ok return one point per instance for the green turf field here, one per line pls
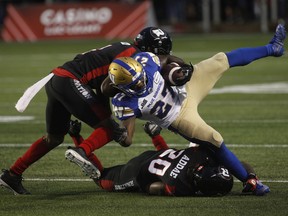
(254, 126)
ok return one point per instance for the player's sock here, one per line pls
(77, 140)
(244, 56)
(98, 138)
(231, 162)
(37, 150)
(94, 159)
(159, 143)
(105, 184)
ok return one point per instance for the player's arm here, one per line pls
(156, 188)
(161, 189)
(167, 59)
(153, 131)
(108, 88)
(129, 124)
(174, 70)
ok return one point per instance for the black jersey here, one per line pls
(91, 67)
(76, 88)
(168, 166)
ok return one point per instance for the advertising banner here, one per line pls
(75, 21)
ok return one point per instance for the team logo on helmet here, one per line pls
(155, 40)
(128, 75)
(212, 180)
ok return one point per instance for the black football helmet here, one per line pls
(212, 180)
(155, 40)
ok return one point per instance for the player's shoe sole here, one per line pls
(87, 167)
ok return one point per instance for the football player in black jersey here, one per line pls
(74, 89)
(186, 172)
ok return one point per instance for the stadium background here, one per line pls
(253, 123)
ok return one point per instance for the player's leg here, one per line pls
(132, 176)
(57, 121)
(191, 126)
(109, 176)
(95, 111)
(205, 75)
(74, 132)
(244, 56)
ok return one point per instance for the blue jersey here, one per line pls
(161, 103)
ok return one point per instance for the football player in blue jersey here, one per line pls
(145, 95)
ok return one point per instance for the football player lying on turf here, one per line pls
(186, 172)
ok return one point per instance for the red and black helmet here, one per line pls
(155, 40)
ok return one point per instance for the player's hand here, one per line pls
(152, 129)
(119, 133)
(187, 71)
(75, 128)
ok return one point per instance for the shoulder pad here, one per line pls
(122, 113)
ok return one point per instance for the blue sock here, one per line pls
(244, 56)
(231, 162)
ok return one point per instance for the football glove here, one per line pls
(152, 129)
(119, 133)
(74, 128)
(187, 70)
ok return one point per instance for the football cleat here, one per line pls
(13, 183)
(78, 156)
(276, 45)
(255, 186)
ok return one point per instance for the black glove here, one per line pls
(119, 133)
(74, 128)
(187, 71)
(152, 129)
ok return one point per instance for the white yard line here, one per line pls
(143, 145)
(263, 88)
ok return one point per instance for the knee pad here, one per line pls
(202, 132)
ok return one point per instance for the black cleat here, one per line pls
(12, 182)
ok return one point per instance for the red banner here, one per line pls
(74, 21)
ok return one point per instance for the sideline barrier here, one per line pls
(75, 21)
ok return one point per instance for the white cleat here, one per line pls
(78, 156)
